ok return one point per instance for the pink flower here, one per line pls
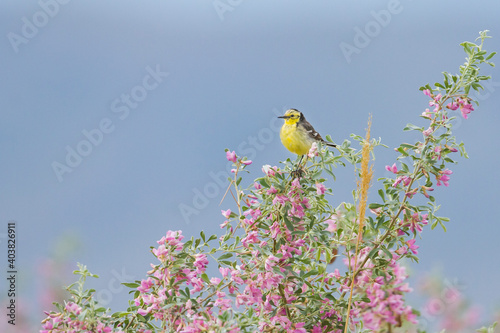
(393, 168)
(415, 223)
(426, 114)
(452, 106)
(257, 186)
(215, 281)
(101, 328)
(320, 189)
(268, 170)
(313, 151)
(143, 312)
(271, 262)
(275, 230)
(145, 285)
(428, 131)
(427, 92)
(246, 162)
(254, 213)
(299, 328)
(231, 156)
(252, 237)
(411, 245)
(405, 179)
(443, 177)
(172, 238)
(376, 211)
(226, 213)
(466, 108)
(224, 271)
(161, 252)
(200, 261)
(438, 150)
(73, 308)
(425, 189)
(402, 250)
(438, 97)
(332, 224)
(272, 190)
(317, 329)
(222, 303)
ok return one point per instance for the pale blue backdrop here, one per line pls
(149, 93)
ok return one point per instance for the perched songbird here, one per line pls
(297, 135)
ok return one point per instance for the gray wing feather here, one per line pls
(313, 134)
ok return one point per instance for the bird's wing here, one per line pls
(313, 134)
(311, 131)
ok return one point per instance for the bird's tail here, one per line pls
(330, 144)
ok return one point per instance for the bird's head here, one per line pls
(292, 116)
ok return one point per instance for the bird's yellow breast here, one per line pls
(294, 139)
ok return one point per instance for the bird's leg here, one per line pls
(300, 161)
(298, 172)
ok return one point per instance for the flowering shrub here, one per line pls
(277, 257)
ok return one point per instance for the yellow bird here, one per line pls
(297, 134)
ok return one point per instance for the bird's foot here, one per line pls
(298, 173)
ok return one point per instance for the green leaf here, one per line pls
(434, 224)
(264, 182)
(202, 235)
(404, 167)
(289, 224)
(330, 173)
(446, 83)
(442, 225)
(375, 205)
(407, 145)
(386, 251)
(309, 273)
(132, 285)
(411, 127)
(373, 253)
(476, 86)
(402, 151)
(467, 48)
(225, 256)
(490, 329)
(381, 193)
(490, 55)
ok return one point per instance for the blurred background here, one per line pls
(114, 117)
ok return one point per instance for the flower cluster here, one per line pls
(277, 268)
(73, 318)
(384, 293)
(162, 294)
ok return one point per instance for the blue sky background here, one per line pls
(229, 74)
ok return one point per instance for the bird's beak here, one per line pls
(284, 117)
